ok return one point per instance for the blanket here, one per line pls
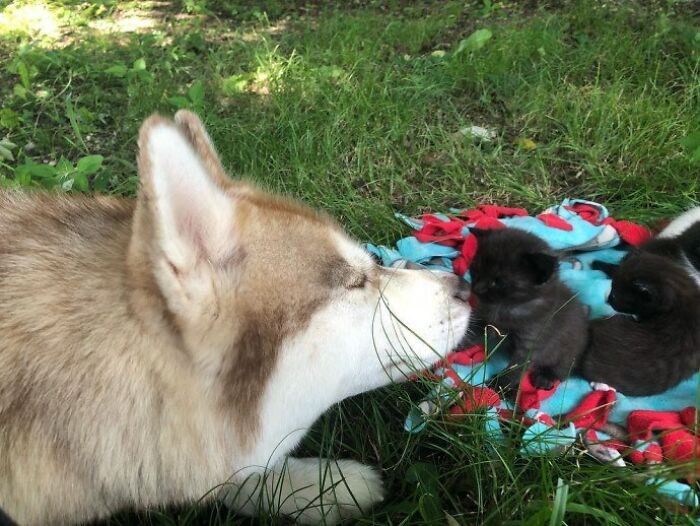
(657, 429)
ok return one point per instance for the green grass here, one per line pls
(357, 107)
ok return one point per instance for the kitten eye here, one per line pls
(495, 283)
(643, 289)
(359, 282)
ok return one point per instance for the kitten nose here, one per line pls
(462, 290)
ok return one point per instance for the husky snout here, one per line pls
(461, 288)
(424, 315)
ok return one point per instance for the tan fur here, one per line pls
(112, 393)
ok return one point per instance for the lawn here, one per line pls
(363, 108)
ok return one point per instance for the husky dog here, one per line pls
(154, 349)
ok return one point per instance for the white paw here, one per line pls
(333, 491)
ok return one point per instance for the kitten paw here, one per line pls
(507, 385)
(543, 378)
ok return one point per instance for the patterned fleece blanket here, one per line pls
(650, 429)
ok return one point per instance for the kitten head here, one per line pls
(510, 265)
(647, 284)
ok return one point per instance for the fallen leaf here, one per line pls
(526, 144)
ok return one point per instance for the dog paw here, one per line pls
(309, 490)
(336, 490)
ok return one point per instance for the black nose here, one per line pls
(462, 290)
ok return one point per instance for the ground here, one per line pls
(363, 108)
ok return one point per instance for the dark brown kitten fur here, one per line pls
(514, 276)
(659, 345)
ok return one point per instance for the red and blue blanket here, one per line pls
(647, 430)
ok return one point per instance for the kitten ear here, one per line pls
(480, 233)
(542, 265)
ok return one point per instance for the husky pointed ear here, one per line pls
(182, 196)
(193, 129)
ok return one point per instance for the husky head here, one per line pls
(268, 301)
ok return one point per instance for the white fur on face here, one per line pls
(354, 254)
(415, 318)
(681, 223)
(419, 320)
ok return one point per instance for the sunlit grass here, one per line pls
(36, 20)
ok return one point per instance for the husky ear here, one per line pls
(542, 265)
(193, 129)
(182, 195)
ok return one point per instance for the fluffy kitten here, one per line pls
(659, 345)
(514, 277)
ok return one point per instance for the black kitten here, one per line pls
(514, 277)
(659, 345)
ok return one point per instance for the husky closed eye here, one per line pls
(358, 282)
